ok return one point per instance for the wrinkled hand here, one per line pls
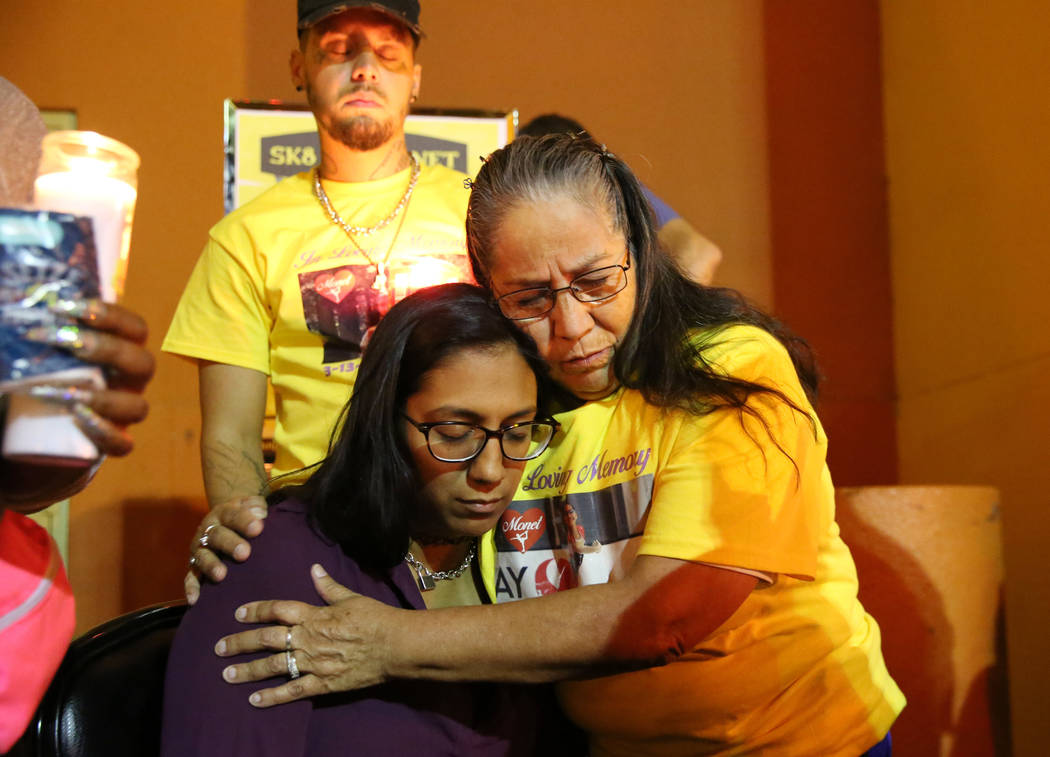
(337, 648)
(224, 526)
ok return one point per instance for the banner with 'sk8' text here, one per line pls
(265, 142)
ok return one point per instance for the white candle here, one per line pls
(110, 202)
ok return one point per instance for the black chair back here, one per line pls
(105, 699)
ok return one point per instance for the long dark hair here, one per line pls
(365, 492)
(658, 355)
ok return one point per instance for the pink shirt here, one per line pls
(36, 620)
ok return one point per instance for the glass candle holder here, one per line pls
(85, 173)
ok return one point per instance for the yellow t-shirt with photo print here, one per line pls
(282, 290)
(798, 669)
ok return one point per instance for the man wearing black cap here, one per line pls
(289, 284)
(360, 121)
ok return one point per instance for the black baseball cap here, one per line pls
(402, 11)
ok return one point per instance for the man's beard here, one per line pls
(361, 133)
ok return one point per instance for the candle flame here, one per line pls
(430, 272)
(87, 165)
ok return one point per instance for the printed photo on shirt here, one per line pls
(560, 542)
(341, 305)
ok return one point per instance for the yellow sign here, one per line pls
(266, 142)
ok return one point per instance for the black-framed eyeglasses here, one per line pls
(458, 442)
(590, 286)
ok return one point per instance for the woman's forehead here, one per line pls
(536, 237)
(461, 382)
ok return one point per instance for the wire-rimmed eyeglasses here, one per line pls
(459, 442)
(590, 286)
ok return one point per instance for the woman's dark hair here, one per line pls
(365, 492)
(658, 354)
(553, 123)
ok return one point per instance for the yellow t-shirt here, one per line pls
(798, 669)
(282, 290)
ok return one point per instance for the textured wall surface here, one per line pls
(967, 116)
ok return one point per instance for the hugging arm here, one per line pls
(660, 610)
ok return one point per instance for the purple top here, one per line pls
(204, 715)
(661, 209)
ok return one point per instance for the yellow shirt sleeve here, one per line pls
(739, 490)
(223, 315)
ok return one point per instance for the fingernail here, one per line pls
(230, 674)
(255, 699)
(240, 552)
(317, 571)
(241, 613)
(66, 395)
(220, 648)
(90, 422)
(83, 310)
(67, 336)
(191, 598)
(258, 512)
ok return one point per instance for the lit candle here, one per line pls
(412, 275)
(85, 173)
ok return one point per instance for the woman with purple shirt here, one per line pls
(426, 460)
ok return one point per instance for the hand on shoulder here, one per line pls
(223, 532)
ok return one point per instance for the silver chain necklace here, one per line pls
(380, 282)
(322, 197)
(428, 578)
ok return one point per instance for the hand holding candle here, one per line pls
(114, 337)
(93, 177)
(110, 336)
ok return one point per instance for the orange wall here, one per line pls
(967, 119)
(675, 87)
(828, 220)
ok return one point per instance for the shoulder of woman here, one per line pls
(290, 515)
(745, 352)
(282, 554)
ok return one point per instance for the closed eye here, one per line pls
(452, 433)
(591, 280)
(519, 434)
